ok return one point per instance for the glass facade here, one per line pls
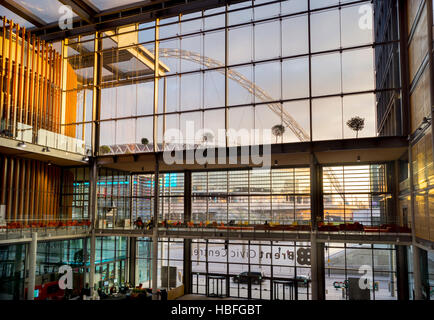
(12, 271)
(216, 78)
(218, 66)
(375, 265)
(170, 263)
(357, 194)
(252, 196)
(279, 269)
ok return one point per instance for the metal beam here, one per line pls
(265, 235)
(145, 12)
(82, 9)
(23, 13)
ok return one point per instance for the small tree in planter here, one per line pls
(357, 124)
(278, 130)
(104, 149)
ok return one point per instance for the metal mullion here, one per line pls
(226, 29)
(271, 196)
(248, 197)
(310, 68)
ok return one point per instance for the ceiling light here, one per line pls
(358, 158)
(86, 158)
(22, 144)
(45, 149)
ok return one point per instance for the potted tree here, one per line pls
(278, 130)
(104, 149)
(357, 124)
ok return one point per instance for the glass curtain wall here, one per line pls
(348, 264)
(357, 194)
(252, 196)
(123, 198)
(12, 271)
(75, 194)
(114, 199)
(170, 262)
(252, 65)
(278, 270)
(111, 262)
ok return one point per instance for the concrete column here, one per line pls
(317, 249)
(417, 278)
(402, 272)
(187, 266)
(132, 261)
(314, 266)
(32, 266)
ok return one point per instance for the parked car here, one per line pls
(303, 280)
(255, 277)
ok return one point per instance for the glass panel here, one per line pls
(47, 10)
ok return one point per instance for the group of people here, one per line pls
(141, 225)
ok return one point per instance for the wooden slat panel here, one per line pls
(37, 189)
(3, 179)
(14, 97)
(8, 79)
(21, 77)
(26, 83)
(36, 105)
(50, 90)
(9, 189)
(32, 75)
(32, 192)
(3, 67)
(44, 85)
(22, 195)
(27, 189)
(41, 86)
(50, 179)
(15, 189)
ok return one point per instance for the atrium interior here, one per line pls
(263, 149)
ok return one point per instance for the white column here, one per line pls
(32, 266)
(314, 266)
